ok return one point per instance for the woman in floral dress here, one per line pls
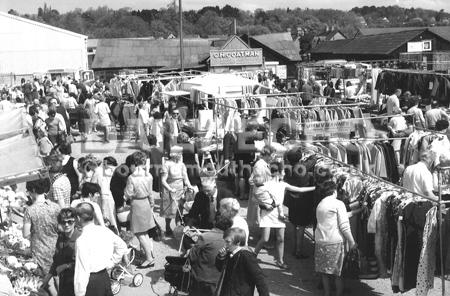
(40, 224)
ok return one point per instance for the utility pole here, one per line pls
(181, 37)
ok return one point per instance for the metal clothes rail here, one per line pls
(438, 202)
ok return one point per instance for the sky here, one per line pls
(31, 6)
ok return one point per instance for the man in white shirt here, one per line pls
(418, 177)
(434, 114)
(393, 103)
(97, 249)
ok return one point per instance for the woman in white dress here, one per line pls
(103, 111)
(270, 197)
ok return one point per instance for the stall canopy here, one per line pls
(19, 152)
(12, 123)
(220, 84)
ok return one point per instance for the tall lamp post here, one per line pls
(181, 37)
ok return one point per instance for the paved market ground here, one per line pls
(298, 280)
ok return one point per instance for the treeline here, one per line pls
(104, 22)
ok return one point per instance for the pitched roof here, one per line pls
(443, 32)
(145, 53)
(377, 31)
(42, 25)
(329, 46)
(370, 44)
(330, 34)
(281, 43)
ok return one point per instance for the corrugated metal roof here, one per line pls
(281, 43)
(144, 53)
(370, 44)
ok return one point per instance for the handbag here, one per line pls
(351, 267)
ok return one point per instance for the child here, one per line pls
(44, 143)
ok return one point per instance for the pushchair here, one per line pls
(177, 273)
(177, 270)
(120, 272)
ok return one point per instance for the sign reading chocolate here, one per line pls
(236, 57)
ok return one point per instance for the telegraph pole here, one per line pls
(181, 37)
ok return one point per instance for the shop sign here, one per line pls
(236, 57)
(281, 71)
(419, 46)
(332, 129)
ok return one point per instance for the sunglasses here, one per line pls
(68, 222)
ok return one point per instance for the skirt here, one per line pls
(329, 259)
(141, 216)
(169, 201)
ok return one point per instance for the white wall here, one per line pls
(27, 48)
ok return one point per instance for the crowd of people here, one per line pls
(73, 220)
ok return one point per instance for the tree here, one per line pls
(210, 23)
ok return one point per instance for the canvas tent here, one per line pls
(220, 84)
(19, 152)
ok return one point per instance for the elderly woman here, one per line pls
(40, 224)
(332, 231)
(139, 191)
(173, 179)
(64, 258)
(229, 207)
(240, 269)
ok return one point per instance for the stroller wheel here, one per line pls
(138, 279)
(116, 272)
(115, 287)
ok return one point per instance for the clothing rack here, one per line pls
(438, 202)
(337, 140)
(415, 72)
(358, 118)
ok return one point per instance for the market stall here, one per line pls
(20, 163)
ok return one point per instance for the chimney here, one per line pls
(327, 28)
(288, 30)
(332, 28)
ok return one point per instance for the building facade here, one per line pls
(28, 47)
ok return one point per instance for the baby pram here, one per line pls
(177, 270)
(177, 273)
